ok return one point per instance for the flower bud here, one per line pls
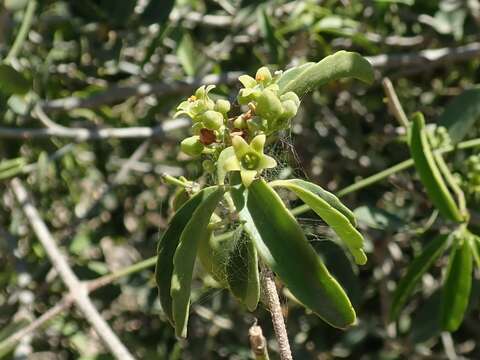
(263, 75)
(289, 109)
(268, 105)
(247, 95)
(239, 123)
(192, 146)
(222, 106)
(211, 119)
(290, 96)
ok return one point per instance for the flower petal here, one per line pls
(231, 164)
(258, 143)
(247, 176)
(240, 146)
(267, 162)
(247, 81)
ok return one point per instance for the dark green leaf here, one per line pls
(168, 244)
(417, 268)
(157, 11)
(377, 218)
(283, 247)
(429, 173)
(458, 283)
(461, 114)
(332, 211)
(342, 64)
(194, 232)
(12, 81)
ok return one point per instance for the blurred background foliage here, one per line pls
(114, 64)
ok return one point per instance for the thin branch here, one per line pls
(85, 134)
(119, 93)
(67, 301)
(23, 32)
(430, 57)
(13, 339)
(270, 290)
(394, 103)
(77, 289)
(403, 165)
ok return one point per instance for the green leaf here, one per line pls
(157, 12)
(461, 114)
(342, 64)
(168, 244)
(242, 272)
(184, 258)
(377, 218)
(458, 283)
(188, 55)
(272, 39)
(12, 81)
(415, 271)
(283, 247)
(213, 253)
(11, 167)
(332, 211)
(341, 268)
(429, 173)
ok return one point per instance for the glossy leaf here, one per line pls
(283, 247)
(168, 244)
(342, 64)
(12, 81)
(184, 259)
(332, 211)
(429, 173)
(242, 272)
(461, 114)
(417, 268)
(458, 282)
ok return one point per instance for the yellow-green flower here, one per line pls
(249, 159)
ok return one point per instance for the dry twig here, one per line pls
(78, 290)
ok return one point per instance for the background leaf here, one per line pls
(461, 114)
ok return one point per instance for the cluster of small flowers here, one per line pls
(270, 111)
(471, 178)
(439, 137)
(209, 120)
(215, 133)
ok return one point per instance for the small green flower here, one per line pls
(249, 159)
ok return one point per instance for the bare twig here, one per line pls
(13, 339)
(394, 103)
(120, 93)
(77, 290)
(449, 346)
(431, 57)
(67, 301)
(258, 344)
(84, 134)
(270, 290)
